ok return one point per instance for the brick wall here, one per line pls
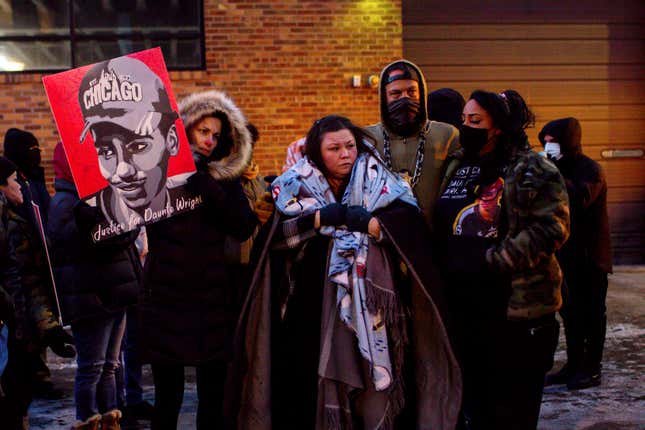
(284, 62)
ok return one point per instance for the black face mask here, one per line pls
(472, 139)
(33, 158)
(399, 113)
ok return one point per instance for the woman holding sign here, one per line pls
(188, 306)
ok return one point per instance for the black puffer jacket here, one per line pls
(92, 279)
(188, 308)
(590, 241)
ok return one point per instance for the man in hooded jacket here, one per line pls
(410, 143)
(585, 258)
(21, 147)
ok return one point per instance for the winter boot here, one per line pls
(560, 377)
(110, 420)
(585, 379)
(92, 423)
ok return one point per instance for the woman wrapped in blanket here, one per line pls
(340, 329)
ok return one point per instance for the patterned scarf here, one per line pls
(302, 190)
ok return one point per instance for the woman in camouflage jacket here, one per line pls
(501, 215)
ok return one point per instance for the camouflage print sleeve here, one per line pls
(34, 280)
(540, 205)
(8, 264)
(10, 292)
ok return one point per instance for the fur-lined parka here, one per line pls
(199, 105)
(188, 307)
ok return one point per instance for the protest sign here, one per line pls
(124, 140)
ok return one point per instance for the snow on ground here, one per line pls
(618, 404)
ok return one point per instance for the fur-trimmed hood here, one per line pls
(198, 105)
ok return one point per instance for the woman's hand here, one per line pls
(358, 219)
(374, 228)
(333, 214)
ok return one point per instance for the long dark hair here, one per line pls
(328, 124)
(511, 116)
(225, 141)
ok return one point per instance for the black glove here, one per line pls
(60, 342)
(358, 218)
(87, 217)
(202, 183)
(333, 214)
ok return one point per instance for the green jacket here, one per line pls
(441, 140)
(35, 283)
(10, 291)
(537, 208)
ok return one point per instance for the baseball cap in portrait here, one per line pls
(123, 91)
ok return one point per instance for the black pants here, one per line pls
(17, 384)
(503, 365)
(169, 395)
(584, 314)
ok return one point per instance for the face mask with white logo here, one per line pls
(552, 150)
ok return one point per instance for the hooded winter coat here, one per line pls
(19, 148)
(440, 140)
(188, 307)
(587, 189)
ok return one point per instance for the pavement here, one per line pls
(617, 404)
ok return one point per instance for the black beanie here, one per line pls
(7, 168)
(446, 105)
(16, 146)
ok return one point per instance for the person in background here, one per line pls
(34, 325)
(188, 307)
(411, 144)
(254, 186)
(446, 105)
(238, 253)
(295, 151)
(9, 281)
(98, 282)
(130, 371)
(136, 408)
(22, 148)
(9, 287)
(585, 258)
(501, 215)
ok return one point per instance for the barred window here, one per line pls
(50, 35)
